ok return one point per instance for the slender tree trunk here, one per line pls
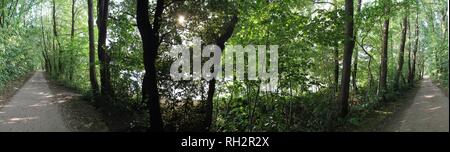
(106, 91)
(355, 56)
(209, 105)
(409, 54)
(54, 58)
(349, 43)
(384, 55)
(55, 38)
(416, 48)
(444, 22)
(369, 69)
(55, 31)
(92, 71)
(414, 55)
(72, 29)
(150, 43)
(59, 65)
(336, 71)
(355, 70)
(72, 36)
(401, 53)
(212, 83)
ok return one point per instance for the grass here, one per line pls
(379, 118)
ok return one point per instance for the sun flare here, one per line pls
(181, 19)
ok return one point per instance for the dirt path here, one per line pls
(36, 107)
(428, 112)
(32, 109)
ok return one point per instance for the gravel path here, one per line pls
(428, 112)
(32, 109)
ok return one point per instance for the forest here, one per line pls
(339, 61)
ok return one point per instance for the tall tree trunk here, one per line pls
(413, 56)
(106, 91)
(348, 51)
(401, 53)
(55, 32)
(409, 54)
(53, 58)
(220, 41)
(336, 70)
(72, 29)
(59, 64)
(92, 71)
(55, 38)
(384, 54)
(416, 47)
(150, 43)
(355, 70)
(355, 56)
(72, 36)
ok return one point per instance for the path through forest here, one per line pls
(427, 112)
(36, 108)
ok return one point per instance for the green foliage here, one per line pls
(17, 54)
(308, 34)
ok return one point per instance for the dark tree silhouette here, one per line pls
(150, 43)
(92, 71)
(349, 43)
(106, 91)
